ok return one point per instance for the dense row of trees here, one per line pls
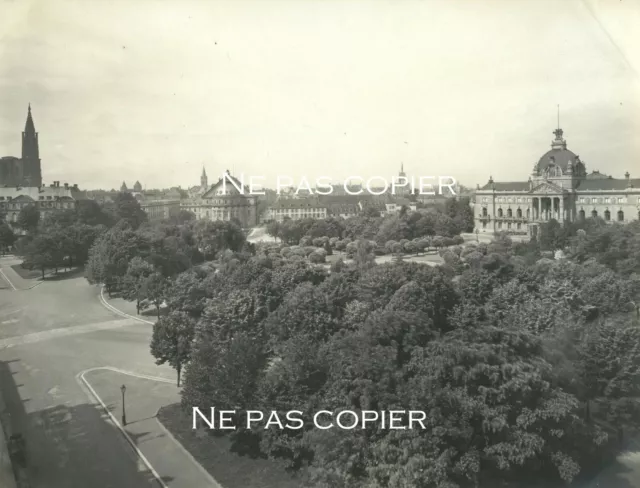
(528, 367)
(453, 218)
(59, 238)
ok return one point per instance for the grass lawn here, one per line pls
(214, 454)
(27, 274)
(32, 274)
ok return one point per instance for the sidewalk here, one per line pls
(7, 475)
(143, 398)
(128, 308)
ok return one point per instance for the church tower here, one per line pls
(31, 169)
(204, 186)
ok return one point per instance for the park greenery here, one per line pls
(525, 356)
(528, 366)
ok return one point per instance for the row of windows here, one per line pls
(518, 225)
(18, 206)
(41, 197)
(509, 200)
(594, 213)
(607, 215)
(580, 200)
(602, 200)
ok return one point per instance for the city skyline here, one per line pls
(112, 102)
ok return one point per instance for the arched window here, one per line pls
(594, 214)
(620, 215)
(607, 215)
(484, 211)
(581, 214)
(499, 212)
(528, 212)
(509, 213)
(519, 213)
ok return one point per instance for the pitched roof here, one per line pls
(608, 184)
(22, 198)
(507, 186)
(597, 175)
(229, 186)
(343, 199)
(298, 203)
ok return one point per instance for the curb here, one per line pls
(80, 376)
(206, 473)
(8, 280)
(113, 309)
(39, 281)
(142, 457)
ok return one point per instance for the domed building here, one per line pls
(559, 188)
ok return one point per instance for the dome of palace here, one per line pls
(558, 156)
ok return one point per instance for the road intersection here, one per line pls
(63, 357)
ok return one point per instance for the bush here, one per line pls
(318, 257)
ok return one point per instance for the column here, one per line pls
(562, 217)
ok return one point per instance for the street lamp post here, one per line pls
(477, 235)
(124, 413)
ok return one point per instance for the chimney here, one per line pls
(66, 186)
(75, 186)
(626, 176)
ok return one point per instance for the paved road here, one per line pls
(48, 336)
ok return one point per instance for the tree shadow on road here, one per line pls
(73, 446)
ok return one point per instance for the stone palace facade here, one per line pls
(559, 188)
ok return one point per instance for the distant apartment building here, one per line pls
(344, 206)
(46, 199)
(158, 210)
(296, 208)
(225, 200)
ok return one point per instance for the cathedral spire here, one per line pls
(29, 126)
(32, 172)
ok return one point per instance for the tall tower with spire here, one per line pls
(31, 169)
(204, 181)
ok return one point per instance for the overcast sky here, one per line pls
(151, 90)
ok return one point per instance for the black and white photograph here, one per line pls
(319, 244)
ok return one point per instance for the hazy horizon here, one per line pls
(152, 91)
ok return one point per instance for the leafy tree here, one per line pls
(7, 237)
(128, 209)
(42, 253)
(154, 289)
(28, 218)
(216, 236)
(171, 340)
(134, 280)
